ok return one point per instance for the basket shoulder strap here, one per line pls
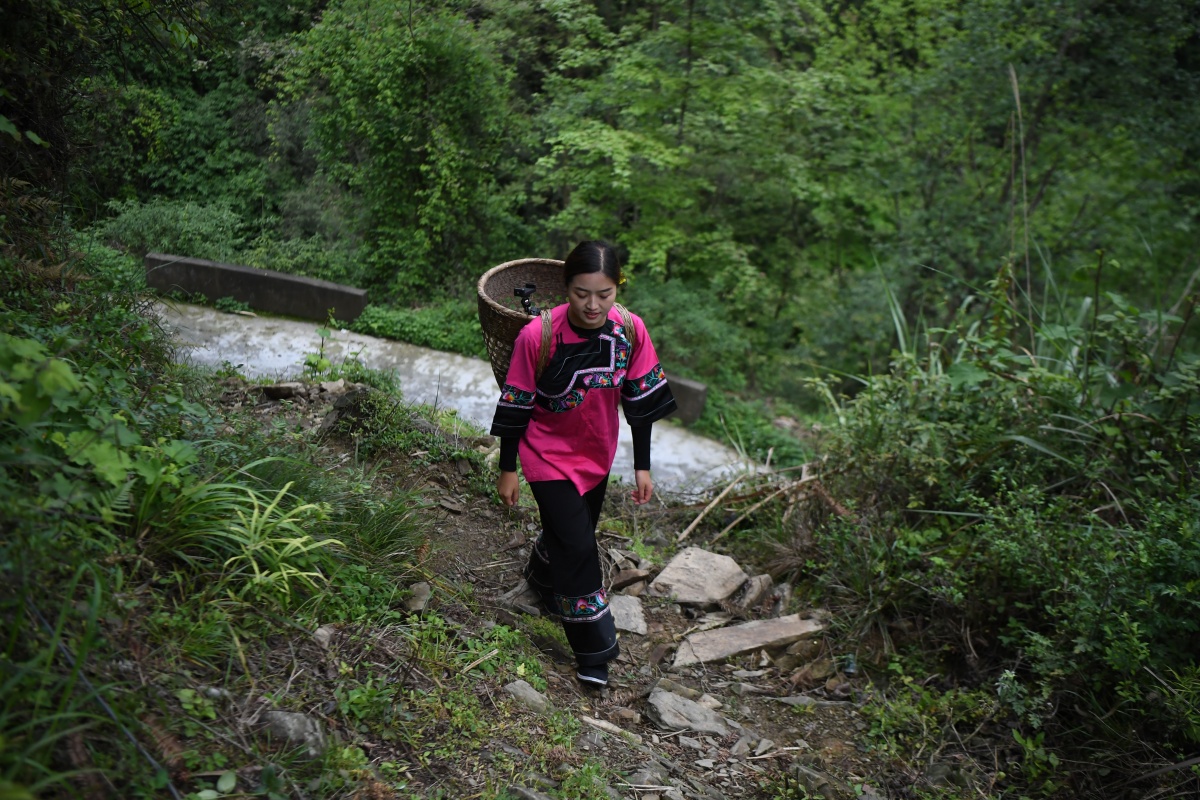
(544, 352)
(630, 331)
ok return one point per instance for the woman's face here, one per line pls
(589, 298)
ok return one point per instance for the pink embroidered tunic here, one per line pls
(567, 420)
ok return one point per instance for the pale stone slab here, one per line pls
(708, 646)
(298, 730)
(529, 697)
(673, 712)
(697, 577)
(627, 613)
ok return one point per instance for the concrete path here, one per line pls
(273, 347)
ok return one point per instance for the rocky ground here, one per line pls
(726, 686)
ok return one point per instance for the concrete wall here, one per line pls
(261, 289)
(689, 398)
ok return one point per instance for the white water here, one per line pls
(275, 348)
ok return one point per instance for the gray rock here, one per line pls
(635, 589)
(705, 763)
(749, 673)
(697, 577)
(523, 598)
(650, 775)
(528, 696)
(298, 730)
(525, 793)
(753, 592)
(628, 577)
(324, 635)
(781, 598)
(627, 613)
(421, 592)
(591, 739)
(333, 386)
(715, 645)
(741, 747)
(763, 746)
(673, 712)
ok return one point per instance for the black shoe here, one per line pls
(596, 675)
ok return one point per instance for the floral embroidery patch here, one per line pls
(512, 396)
(608, 376)
(583, 609)
(567, 402)
(635, 388)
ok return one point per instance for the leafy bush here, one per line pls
(451, 325)
(179, 227)
(1033, 504)
(313, 257)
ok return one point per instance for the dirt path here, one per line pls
(472, 560)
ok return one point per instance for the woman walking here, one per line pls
(561, 420)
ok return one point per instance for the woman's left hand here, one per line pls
(645, 486)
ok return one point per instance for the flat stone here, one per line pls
(298, 730)
(708, 646)
(333, 387)
(673, 712)
(697, 577)
(763, 746)
(627, 613)
(705, 763)
(528, 696)
(708, 701)
(754, 591)
(628, 577)
(421, 592)
(741, 747)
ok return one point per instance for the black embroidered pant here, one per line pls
(564, 568)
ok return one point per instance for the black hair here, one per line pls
(592, 256)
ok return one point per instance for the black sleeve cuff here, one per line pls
(641, 446)
(508, 453)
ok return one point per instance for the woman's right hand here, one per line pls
(508, 487)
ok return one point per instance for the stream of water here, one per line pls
(272, 347)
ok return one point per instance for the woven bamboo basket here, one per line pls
(500, 313)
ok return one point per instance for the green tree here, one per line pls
(409, 113)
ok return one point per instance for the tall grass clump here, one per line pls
(1024, 482)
